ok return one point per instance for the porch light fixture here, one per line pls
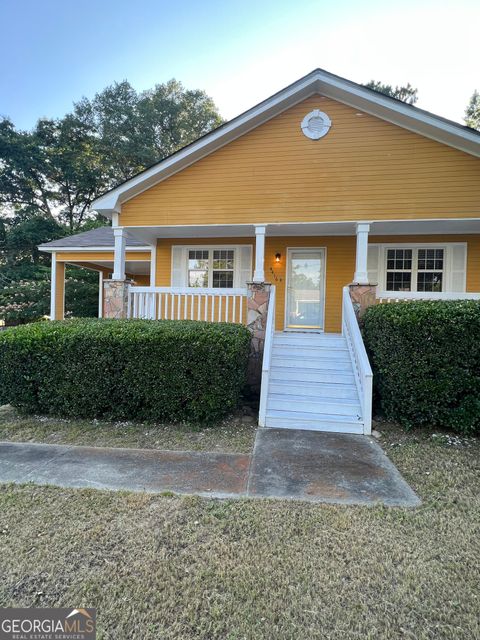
(278, 257)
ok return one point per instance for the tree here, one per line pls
(404, 93)
(61, 166)
(55, 170)
(21, 237)
(50, 175)
(136, 130)
(472, 112)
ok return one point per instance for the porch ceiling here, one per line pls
(148, 235)
(135, 268)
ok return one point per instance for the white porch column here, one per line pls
(100, 294)
(53, 286)
(119, 256)
(361, 272)
(153, 265)
(259, 273)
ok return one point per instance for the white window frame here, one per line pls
(237, 267)
(447, 262)
(210, 267)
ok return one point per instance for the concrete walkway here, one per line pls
(288, 464)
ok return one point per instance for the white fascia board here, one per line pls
(403, 115)
(86, 249)
(318, 82)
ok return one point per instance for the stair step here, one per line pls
(321, 422)
(316, 406)
(331, 340)
(300, 374)
(314, 389)
(316, 352)
(336, 364)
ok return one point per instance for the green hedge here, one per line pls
(426, 362)
(125, 369)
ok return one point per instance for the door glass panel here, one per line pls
(305, 289)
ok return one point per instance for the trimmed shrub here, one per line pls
(426, 362)
(125, 369)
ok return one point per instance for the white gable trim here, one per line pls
(317, 82)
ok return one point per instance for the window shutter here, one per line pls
(243, 271)
(458, 277)
(179, 267)
(372, 263)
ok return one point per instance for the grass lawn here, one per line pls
(163, 567)
(230, 436)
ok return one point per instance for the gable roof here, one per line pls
(100, 238)
(318, 81)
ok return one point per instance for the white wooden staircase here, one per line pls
(312, 384)
(317, 381)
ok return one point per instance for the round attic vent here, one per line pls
(316, 124)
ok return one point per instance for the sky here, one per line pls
(54, 52)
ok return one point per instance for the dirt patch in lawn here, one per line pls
(170, 567)
(234, 435)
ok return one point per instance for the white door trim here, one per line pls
(322, 290)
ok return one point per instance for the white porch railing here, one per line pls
(358, 353)
(397, 296)
(267, 357)
(188, 303)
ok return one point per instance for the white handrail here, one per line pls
(267, 357)
(358, 353)
(188, 303)
(395, 296)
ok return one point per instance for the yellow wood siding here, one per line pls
(364, 168)
(100, 256)
(60, 291)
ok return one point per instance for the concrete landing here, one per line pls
(325, 467)
(285, 463)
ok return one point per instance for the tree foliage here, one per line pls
(405, 93)
(472, 112)
(62, 165)
(49, 177)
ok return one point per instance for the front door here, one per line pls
(305, 289)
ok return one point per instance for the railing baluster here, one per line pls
(172, 303)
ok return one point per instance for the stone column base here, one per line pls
(362, 297)
(257, 309)
(115, 299)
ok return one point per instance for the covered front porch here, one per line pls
(201, 272)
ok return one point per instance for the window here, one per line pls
(211, 268)
(430, 270)
(399, 269)
(222, 268)
(414, 269)
(198, 268)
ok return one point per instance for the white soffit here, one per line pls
(318, 82)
